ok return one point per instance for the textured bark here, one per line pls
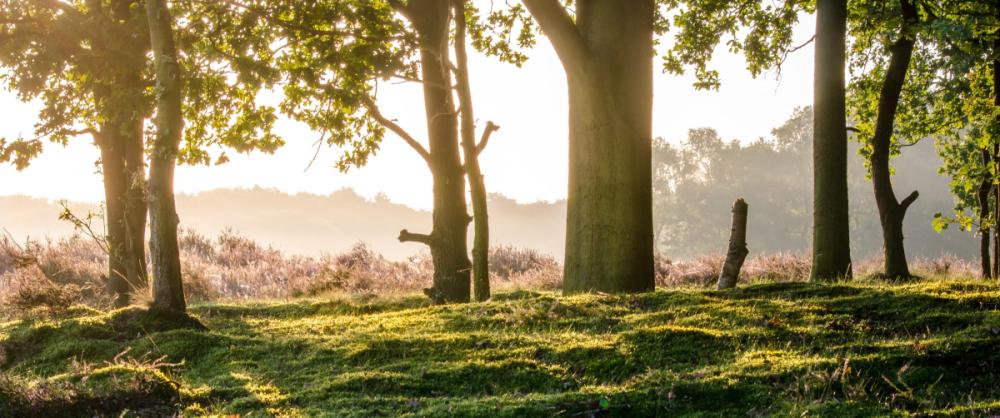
(120, 139)
(607, 54)
(891, 211)
(449, 250)
(737, 247)
(168, 288)
(983, 198)
(831, 255)
(477, 184)
(996, 161)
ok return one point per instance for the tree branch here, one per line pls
(407, 236)
(398, 130)
(559, 28)
(490, 129)
(909, 200)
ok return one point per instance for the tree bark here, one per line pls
(995, 190)
(891, 211)
(996, 162)
(983, 198)
(607, 54)
(168, 288)
(831, 255)
(449, 250)
(120, 139)
(477, 184)
(737, 247)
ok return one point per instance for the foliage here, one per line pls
(78, 58)
(858, 349)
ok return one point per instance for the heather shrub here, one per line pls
(49, 277)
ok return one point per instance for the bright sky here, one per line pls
(526, 159)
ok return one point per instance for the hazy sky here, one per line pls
(525, 160)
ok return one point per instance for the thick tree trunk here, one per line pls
(607, 54)
(983, 198)
(737, 247)
(168, 288)
(891, 211)
(120, 140)
(831, 256)
(477, 185)
(449, 250)
(121, 145)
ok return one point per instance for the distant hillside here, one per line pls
(309, 224)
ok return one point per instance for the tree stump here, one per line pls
(737, 247)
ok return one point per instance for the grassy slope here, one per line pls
(767, 349)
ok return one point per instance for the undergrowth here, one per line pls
(866, 348)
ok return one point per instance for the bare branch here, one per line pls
(909, 200)
(407, 236)
(490, 129)
(373, 110)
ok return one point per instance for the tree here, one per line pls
(87, 62)
(963, 118)
(884, 96)
(471, 150)
(333, 55)
(168, 289)
(831, 254)
(607, 53)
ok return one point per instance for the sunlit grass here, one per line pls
(847, 349)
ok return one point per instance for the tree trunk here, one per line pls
(996, 162)
(449, 250)
(477, 185)
(831, 256)
(121, 143)
(607, 55)
(737, 247)
(120, 140)
(891, 211)
(168, 289)
(995, 190)
(983, 197)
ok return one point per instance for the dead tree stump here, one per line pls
(737, 247)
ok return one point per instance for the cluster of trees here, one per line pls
(696, 180)
(104, 68)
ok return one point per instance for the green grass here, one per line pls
(859, 349)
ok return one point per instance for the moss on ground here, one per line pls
(869, 348)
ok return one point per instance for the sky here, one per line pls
(526, 160)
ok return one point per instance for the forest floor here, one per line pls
(867, 348)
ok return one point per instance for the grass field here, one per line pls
(929, 348)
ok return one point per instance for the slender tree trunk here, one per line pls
(477, 185)
(607, 54)
(996, 162)
(737, 247)
(995, 190)
(449, 250)
(983, 197)
(891, 211)
(831, 256)
(168, 289)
